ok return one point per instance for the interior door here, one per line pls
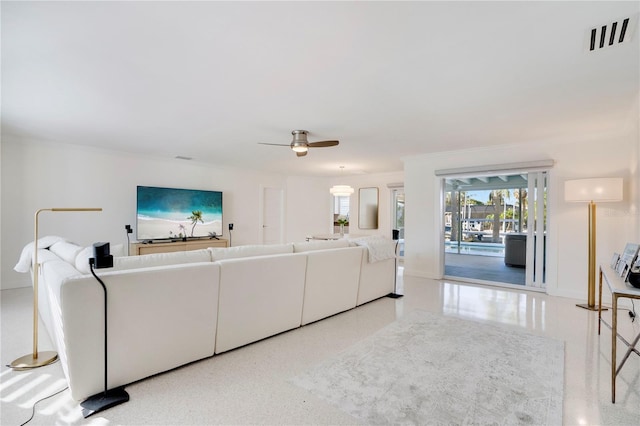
(272, 215)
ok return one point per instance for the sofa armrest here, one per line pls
(377, 279)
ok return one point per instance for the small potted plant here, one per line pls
(342, 221)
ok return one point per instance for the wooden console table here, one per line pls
(619, 289)
(167, 247)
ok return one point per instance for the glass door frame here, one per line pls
(395, 219)
(537, 214)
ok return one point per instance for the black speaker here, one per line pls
(634, 279)
(102, 256)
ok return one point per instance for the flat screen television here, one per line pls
(172, 213)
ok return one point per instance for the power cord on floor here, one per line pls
(33, 409)
(631, 312)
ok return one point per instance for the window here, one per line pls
(341, 206)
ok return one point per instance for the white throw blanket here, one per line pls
(26, 258)
(379, 248)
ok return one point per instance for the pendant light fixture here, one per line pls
(341, 190)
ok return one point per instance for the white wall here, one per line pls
(379, 181)
(42, 175)
(308, 207)
(634, 184)
(595, 156)
(38, 175)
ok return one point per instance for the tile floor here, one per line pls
(249, 385)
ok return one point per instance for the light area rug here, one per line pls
(432, 369)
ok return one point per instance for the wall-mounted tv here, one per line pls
(172, 213)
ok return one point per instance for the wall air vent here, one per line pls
(609, 35)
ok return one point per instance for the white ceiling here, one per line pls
(210, 80)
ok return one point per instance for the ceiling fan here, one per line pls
(300, 145)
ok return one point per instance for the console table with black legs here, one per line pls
(619, 289)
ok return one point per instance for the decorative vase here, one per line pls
(342, 229)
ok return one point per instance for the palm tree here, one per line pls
(196, 216)
(453, 199)
(496, 196)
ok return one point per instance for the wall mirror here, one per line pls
(368, 208)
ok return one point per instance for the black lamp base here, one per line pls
(102, 401)
(395, 295)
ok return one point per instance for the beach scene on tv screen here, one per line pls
(178, 213)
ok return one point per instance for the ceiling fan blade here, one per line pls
(274, 144)
(323, 144)
(301, 154)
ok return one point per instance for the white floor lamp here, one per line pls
(40, 359)
(590, 191)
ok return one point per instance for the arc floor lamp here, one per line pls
(590, 191)
(39, 359)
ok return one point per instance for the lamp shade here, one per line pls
(341, 190)
(596, 189)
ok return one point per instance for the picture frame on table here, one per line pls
(622, 268)
(630, 252)
(627, 259)
(614, 260)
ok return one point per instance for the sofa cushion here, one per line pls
(82, 259)
(66, 251)
(221, 253)
(319, 245)
(45, 255)
(160, 259)
(25, 261)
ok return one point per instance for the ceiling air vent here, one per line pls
(609, 35)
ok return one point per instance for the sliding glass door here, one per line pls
(537, 230)
(397, 202)
(491, 228)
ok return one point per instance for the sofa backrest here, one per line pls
(160, 259)
(331, 282)
(221, 253)
(161, 318)
(259, 297)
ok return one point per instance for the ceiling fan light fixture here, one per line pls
(300, 145)
(341, 190)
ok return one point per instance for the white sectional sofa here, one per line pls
(170, 309)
